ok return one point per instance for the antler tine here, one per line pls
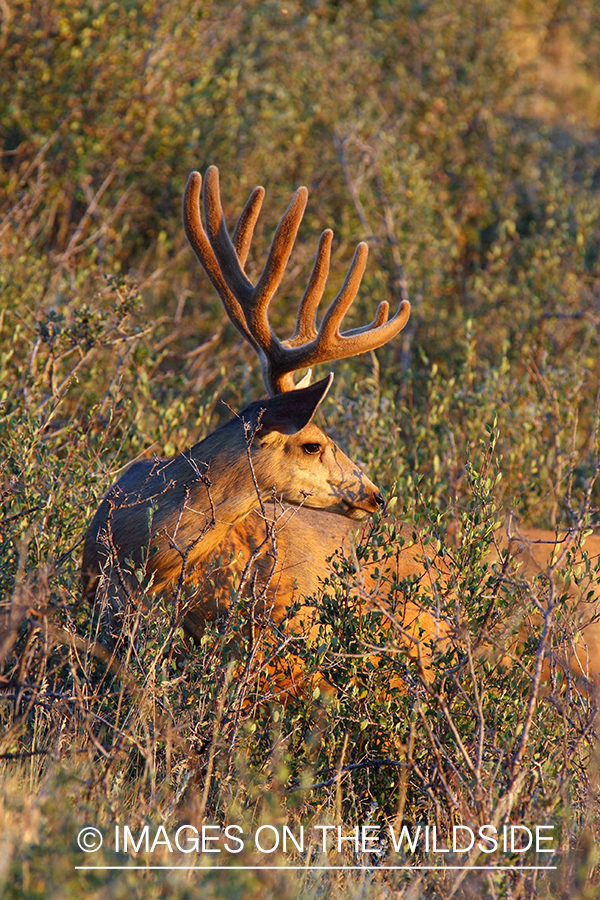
(306, 320)
(374, 335)
(244, 229)
(205, 255)
(333, 344)
(277, 259)
(220, 241)
(331, 321)
(253, 299)
(329, 343)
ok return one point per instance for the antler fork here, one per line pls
(247, 305)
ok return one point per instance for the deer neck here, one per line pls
(215, 490)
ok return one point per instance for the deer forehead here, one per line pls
(310, 434)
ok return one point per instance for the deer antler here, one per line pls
(247, 304)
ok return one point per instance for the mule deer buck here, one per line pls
(164, 517)
(196, 521)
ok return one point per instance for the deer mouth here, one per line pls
(355, 512)
(341, 507)
(363, 510)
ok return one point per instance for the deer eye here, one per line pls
(312, 448)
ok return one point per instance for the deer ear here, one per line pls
(291, 411)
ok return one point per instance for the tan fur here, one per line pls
(292, 565)
(284, 557)
(295, 564)
(536, 551)
(163, 517)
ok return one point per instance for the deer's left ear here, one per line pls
(291, 411)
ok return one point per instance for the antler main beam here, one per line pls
(247, 305)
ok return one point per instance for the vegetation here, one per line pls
(461, 142)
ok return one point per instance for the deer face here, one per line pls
(307, 468)
(297, 460)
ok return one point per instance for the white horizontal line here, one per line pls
(329, 868)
